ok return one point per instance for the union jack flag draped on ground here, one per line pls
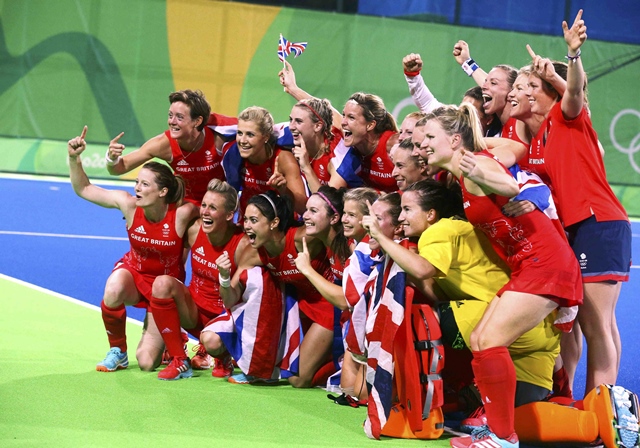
(285, 48)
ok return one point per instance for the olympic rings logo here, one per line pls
(634, 145)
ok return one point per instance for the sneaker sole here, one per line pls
(106, 369)
(180, 376)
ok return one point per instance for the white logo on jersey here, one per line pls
(183, 163)
(166, 330)
(140, 230)
(200, 251)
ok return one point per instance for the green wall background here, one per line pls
(111, 64)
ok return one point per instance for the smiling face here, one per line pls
(406, 168)
(540, 100)
(213, 213)
(301, 125)
(181, 125)
(495, 90)
(354, 126)
(520, 106)
(317, 219)
(352, 219)
(251, 141)
(436, 148)
(385, 221)
(256, 226)
(406, 128)
(412, 218)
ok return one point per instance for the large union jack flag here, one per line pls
(285, 48)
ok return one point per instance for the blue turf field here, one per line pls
(53, 239)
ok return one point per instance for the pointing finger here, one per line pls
(84, 132)
(531, 52)
(578, 17)
(117, 137)
(304, 246)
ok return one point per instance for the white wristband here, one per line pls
(224, 282)
(109, 161)
(469, 66)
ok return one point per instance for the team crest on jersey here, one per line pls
(321, 170)
(380, 163)
(140, 230)
(292, 261)
(208, 156)
(166, 230)
(269, 170)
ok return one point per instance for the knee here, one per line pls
(113, 295)
(163, 286)
(146, 361)
(212, 343)
(299, 383)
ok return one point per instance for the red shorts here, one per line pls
(144, 284)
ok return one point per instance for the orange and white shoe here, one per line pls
(201, 360)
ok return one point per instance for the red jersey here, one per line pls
(509, 131)
(204, 286)
(197, 168)
(337, 268)
(156, 248)
(283, 268)
(576, 171)
(255, 177)
(377, 167)
(320, 166)
(538, 255)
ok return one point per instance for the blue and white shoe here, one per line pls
(115, 360)
(625, 414)
(241, 378)
(483, 438)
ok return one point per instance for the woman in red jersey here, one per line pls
(597, 224)
(213, 239)
(544, 273)
(156, 224)
(269, 224)
(192, 149)
(255, 164)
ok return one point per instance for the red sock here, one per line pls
(115, 322)
(561, 386)
(167, 320)
(323, 374)
(496, 380)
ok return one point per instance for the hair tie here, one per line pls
(275, 212)
(314, 112)
(328, 202)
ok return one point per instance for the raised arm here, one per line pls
(573, 99)
(422, 96)
(286, 178)
(117, 164)
(288, 81)
(506, 150)
(471, 68)
(85, 189)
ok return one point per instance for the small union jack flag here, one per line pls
(285, 48)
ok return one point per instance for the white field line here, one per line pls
(64, 235)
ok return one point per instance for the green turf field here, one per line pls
(51, 395)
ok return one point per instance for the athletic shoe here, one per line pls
(177, 368)
(347, 400)
(617, 410)
(222, 368)
(625, 406)
(241, 378)
(476, 419)
(484, 438)
(166, 357)
(115, 360)
(201, 360)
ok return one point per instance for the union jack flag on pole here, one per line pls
(285, 48)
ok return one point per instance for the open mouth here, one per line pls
(252, 237)
(207, 222)
(487, 100)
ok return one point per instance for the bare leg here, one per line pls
(571, 350)
(151, 346)
(598, 323)
(314, 352)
